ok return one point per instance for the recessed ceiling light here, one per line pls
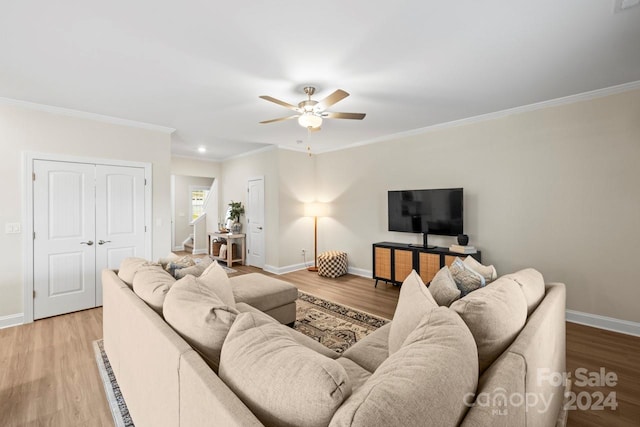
(202, 150)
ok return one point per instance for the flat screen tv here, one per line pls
(436, 211)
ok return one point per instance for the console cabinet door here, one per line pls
(429, 265)
(402, 263)
(383, 263)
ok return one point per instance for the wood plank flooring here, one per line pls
(48, 374)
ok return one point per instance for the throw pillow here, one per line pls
(414, 302)
(282, 382)
(196, 270)
(199, 316)
(183, 262)
(216, 280)
(151, 284)
(423, 383)
(495, 315)
(129, 267)
(444, 288)
(466, 279)
(487, 271)
(532, 286)
(163, 261)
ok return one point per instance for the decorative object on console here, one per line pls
(463, 239)
(462, 249)
(315, 210)
(234, 212)
(332, 264)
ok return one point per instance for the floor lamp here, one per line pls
(315, 210)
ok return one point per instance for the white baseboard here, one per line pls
(285, 269)
(11, 320)
(360, 272)
(178, 248)
(200, 251)
(603, 322)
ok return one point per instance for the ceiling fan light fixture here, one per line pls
(309, 120)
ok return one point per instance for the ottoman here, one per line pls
(274, 297)
(332, 264)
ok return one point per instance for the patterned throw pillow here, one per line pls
(195, 270)
(466, 279)
(184, 262)
(488, 271)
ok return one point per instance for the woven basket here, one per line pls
(215, 248)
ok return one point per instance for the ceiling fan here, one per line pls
(310, 113)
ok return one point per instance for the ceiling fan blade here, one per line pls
(280, 119)
(352, 116)
(277, 101)
(336, 96)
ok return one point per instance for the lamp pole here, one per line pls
(315, 245)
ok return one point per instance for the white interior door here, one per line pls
(64, 238)
(255, 223)
(120, 230)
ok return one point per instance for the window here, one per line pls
(198, 197)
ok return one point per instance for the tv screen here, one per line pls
(436, 211)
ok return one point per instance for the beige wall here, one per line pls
(194, 167)
(556, 189)
(36, 131)
(233, 186)
(182, 200)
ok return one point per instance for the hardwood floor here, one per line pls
(48, 374)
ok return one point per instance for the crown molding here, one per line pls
(201, 159)
(571, 99)
(85, 115)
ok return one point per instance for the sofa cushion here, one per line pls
(443, 288)
(414, 302)
(487, 271)
(298, 336)
(151, 283)
(196, 270)
(164, 261)
(196, 312)
(129, 267)
(531, 284)
(372, 350)
(466, 279)
(263, 292)
(422, 384)
(214, 279)
(356, 373)
(495, 315)
(282, 382)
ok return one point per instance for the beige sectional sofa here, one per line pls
(421, 369)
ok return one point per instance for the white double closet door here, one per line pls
(86, 217)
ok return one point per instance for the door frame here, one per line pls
(28, 158)
(248, 241)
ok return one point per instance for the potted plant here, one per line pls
(233, 216)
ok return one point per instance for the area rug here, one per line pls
(335, 326)
(119, 411)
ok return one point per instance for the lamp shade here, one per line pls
(309, 120)
(316, 209)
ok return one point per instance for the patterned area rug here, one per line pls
(335, 326)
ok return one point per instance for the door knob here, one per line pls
(102, 242)
(89, 243)
(259, 228)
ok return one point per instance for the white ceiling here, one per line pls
(199, 66)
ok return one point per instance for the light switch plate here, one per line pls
(12, 228)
